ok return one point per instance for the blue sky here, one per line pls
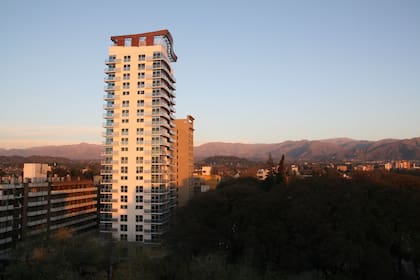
(248, 71)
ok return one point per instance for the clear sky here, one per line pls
(249, 71)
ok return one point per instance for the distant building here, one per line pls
(342, 167)
(184, 158)
(262, 173)
(36, 170)
(206, 170)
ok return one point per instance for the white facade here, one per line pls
(36, 170)
(138, 184)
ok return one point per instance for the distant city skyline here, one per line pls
(248, 71)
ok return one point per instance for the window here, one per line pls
(123, 206)
(123, 227)
(139, 159)
(127, 42)
(126, 76)
(142, 57)
(139, 169)
(155, 82)
(126, 85)
(139, 189)
(139, 238)
(139, 84)
(140, 130)
(139, 198)
(123, 237)
(126, 103)
(139, 228)
(124, 149)
(140, 112)
(124, 159)
(140, 103)
(139, 206)
(127, 58)
(141, 66)
(140, 75)
(124, 189)
(124, 120)
(124, 198)
(126, 67)
(139, 218)
(157, 54)
(124, 169)
(139, 149)
(124, 141)
(123, 218)
(139, 178)
(124, 177)
(140, 120)
(126, 93)
(140, 92)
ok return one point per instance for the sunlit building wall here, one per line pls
(138, 180)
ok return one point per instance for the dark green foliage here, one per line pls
(340, 229)
(321, 228)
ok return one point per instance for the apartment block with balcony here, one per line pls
(138, 191)
(43, 205)
(52, 204)
(11, 202)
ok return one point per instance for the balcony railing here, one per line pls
(112, 61)
(111, 69)
(109, 87)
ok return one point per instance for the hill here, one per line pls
(314, 150)
(318, 150)
(82, 151)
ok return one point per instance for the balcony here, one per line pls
(110, 87)
(112, 70)
(37, 203)
(112, 61)
(37, 222)
(110, 134)
(110, 124)
(109, 162)
(72, 206)
(109, 115)
(109, 96)
(111, 79)
(111, 106)
(34, 194)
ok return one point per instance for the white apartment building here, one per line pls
(138, 183)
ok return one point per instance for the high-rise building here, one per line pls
(138, 181)
(184, 155)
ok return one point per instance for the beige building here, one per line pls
(138, 178)
(184, 155)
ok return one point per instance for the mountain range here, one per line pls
(82, 151)
(338, 149)
(315, 150)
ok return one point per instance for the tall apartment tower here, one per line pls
(184, 156)
(138, 180)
